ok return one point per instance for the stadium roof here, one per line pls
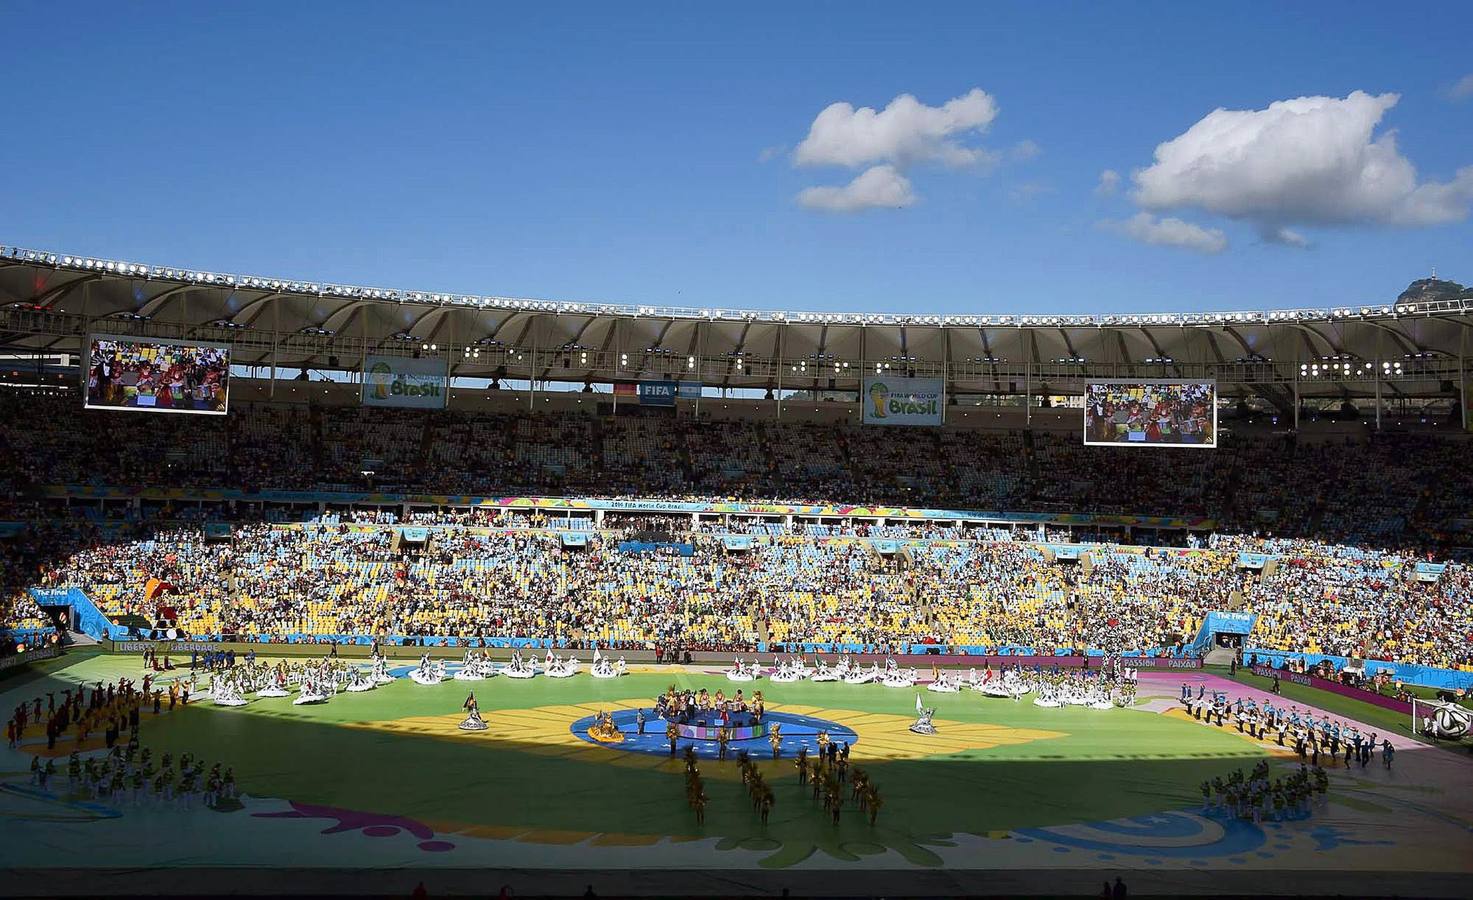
(1402, 348)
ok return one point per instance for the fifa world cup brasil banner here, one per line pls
(903, 401)
(400, 381)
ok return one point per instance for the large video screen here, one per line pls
(156, 376)
(1151, 413)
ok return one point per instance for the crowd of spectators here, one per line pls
(267, 582)
(1390, 489)
(1348, 517)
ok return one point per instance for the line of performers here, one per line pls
(316, 680)
(1288, 726)
(681, 707)
(477, 665)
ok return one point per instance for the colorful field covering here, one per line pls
(385, 780)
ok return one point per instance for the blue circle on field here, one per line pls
(797, 731)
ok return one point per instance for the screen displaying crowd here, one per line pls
(161, 376)
(1178, 414)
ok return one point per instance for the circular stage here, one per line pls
(797, 731)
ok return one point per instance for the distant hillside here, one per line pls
(1424, 290)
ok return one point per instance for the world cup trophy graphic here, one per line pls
(380, 377)
(879, 395)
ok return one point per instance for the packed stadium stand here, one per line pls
(284, 520)
(1345, 530)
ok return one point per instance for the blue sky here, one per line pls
(647, 152)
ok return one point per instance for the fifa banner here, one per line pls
(400, 381)
(903, 401)
(1159, 413)
(657, 393)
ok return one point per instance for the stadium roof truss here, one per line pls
(49, 301)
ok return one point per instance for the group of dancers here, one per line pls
(1073, 688)
(316, 680)
(129, 774)
(681, 707)
(695, 789)
(1257, 797)
(829, 772)
(109, 709)
(1289, 727)
(477, 665)
(1113, 684)
(758, 790)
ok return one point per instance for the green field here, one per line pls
(1002, 784)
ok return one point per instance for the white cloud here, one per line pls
(1308, 161)
(1170, 232)
(1109, 183)
(1286, 236)
(875, 187)
(1462, 90)
(1025, 150)
(905, 132)
(768, 154)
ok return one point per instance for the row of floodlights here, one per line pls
(130, 269)
(1343, 369)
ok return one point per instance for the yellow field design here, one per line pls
(545, 730)
(884, 737)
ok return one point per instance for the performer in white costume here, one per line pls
(562, 668)
(520, 667)
(381, 671)
(947, 682)
(922, 724)
(360, 680)
(473, 720)
(823, 673)
(744, 671)
(603, 668)
(897, 677)
(428, 672)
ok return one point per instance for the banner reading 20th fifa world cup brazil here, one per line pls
(903, 401)
(400, 381)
